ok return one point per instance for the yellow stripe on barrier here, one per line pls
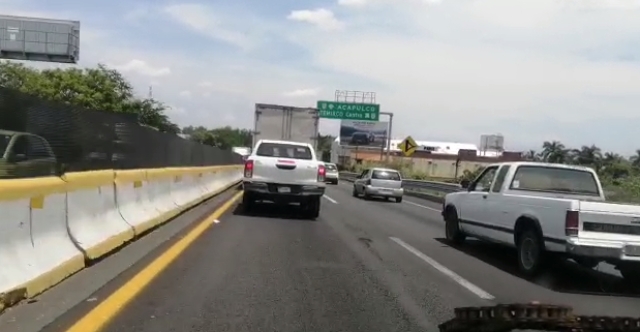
(26, 188)
(87, 180)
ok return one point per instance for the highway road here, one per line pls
(362, 266)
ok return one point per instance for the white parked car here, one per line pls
(545, 210)
(284, 172)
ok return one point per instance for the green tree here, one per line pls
(98, 88)
(223, 137)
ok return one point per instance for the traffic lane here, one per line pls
(416, 207)
(491, 268)
(268, 272)
(411, 207)
(422, 288)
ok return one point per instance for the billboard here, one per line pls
(39, 39)
(363, 133)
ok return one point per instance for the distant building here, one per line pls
(446, 148)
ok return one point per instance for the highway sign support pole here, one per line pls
(389, 135)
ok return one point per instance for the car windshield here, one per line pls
(386, 175)
(4, 143)
(283, 150)
(555, 179)
(331, 167)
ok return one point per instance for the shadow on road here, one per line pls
(378, 199)
(271, 210)
(562, 275)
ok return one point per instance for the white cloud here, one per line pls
(301, 93)
(352, 3)
(186, 94)
(143, 68)
(204, 20)
(322, 18)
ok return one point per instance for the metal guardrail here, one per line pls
(413, 184)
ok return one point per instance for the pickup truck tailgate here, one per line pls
(608, 221)
(285, 171)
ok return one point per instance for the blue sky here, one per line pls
(448, 69)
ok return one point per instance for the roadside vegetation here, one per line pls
(620, 175)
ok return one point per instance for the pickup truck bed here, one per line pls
(284, 172)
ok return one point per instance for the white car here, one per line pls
(332, 173)
(284, 172)
(546, 210)
(379, 182)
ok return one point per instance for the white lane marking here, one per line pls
(330, 199)
(422, 206)
(460, 280)
(216, 221)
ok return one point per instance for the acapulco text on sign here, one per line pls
(348, 111)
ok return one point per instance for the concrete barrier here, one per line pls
(95, 224)
(36, 250)
(49, 227)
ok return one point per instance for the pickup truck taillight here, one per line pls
(322, 172)
(248, 169)
(571, 223)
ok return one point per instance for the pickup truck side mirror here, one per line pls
(465, 184)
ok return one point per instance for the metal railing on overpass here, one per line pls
(419, 185)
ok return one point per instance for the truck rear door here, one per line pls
(277, 122)
(285, 163)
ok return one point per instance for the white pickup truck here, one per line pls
(546, 210)
(284, 172)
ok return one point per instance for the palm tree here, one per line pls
(589, 155)
(531, 155)
(635, 159)
(612, 158)
(554, 152)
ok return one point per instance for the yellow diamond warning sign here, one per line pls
(408, 146)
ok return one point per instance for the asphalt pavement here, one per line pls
(362, 266)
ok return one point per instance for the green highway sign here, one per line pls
(348, 111)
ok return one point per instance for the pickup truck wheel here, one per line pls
(452, 228)
(630, 273)
(530, 252)
(398, 199)
(248, 202)
(355, 192)
(312, 208)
